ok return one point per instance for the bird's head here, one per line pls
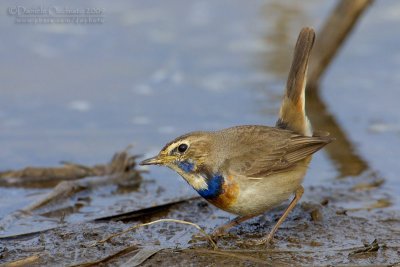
(188, 156)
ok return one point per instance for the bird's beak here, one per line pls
(151, 161)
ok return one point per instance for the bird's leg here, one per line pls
(218, 231)
(269, 237)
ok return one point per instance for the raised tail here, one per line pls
(292, 114)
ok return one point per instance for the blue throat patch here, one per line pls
(214, 187)
(187, 165)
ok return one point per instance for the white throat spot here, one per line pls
(198, 182)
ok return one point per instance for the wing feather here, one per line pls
(259, 151)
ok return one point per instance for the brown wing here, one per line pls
(260, 151)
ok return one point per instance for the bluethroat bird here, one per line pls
(247, 170)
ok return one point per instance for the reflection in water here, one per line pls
(331, 36)
(282, 16)
(342, 153)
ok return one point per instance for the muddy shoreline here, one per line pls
(317, 232)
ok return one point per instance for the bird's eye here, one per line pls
(182, 147)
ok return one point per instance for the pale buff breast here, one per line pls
(256, 196)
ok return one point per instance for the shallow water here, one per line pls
(153, 71)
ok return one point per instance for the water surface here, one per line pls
(152, 71)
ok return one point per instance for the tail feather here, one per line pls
(292, 114)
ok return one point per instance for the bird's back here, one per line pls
(257, 151)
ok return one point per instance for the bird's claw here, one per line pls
(268, 239)
(217, 233)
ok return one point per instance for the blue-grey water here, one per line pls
(153, 70)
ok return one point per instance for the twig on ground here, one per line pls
(157, 221)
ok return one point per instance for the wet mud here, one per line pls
(319, 231)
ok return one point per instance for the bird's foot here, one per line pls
(267, 239)
(217, 232)
(220, 230)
